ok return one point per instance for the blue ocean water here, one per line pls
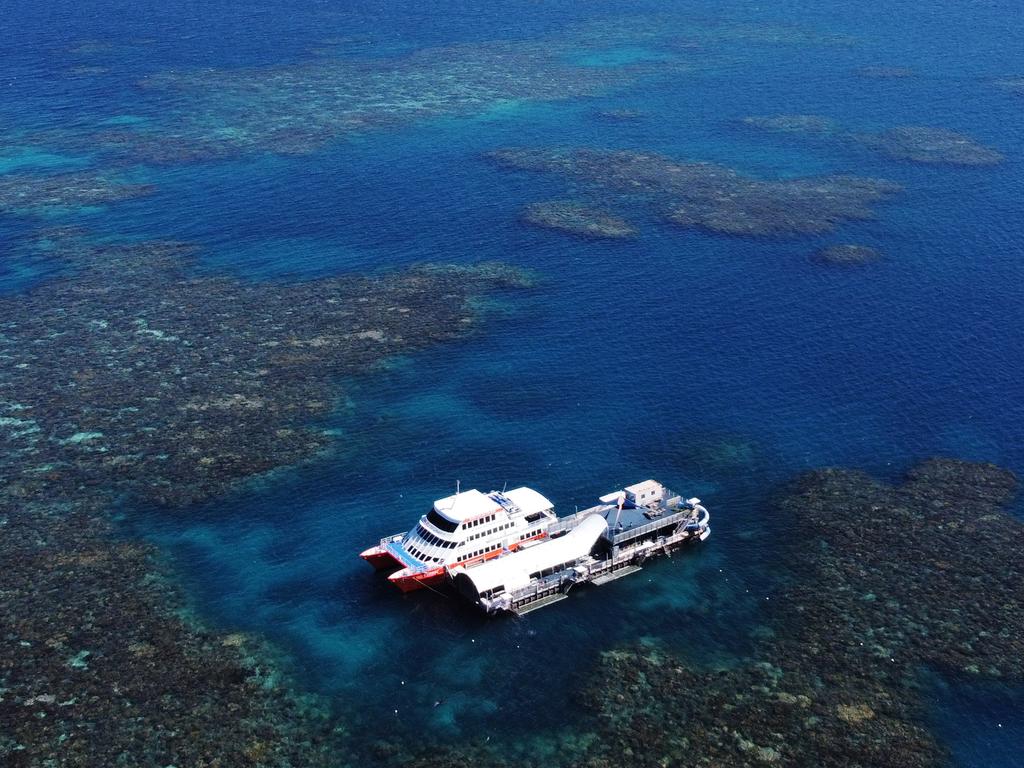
(720, 365)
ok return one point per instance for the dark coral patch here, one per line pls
(921, 144)
(139, 378)
(914, 143)
(34, 193)
(885, 580)
(710, 196)
(846, 255)
(575, 218)
(141, 373)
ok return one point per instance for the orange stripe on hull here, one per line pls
(410, 582)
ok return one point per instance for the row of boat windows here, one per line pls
(489, 531)
(470, 555)
(481, 521)
(530, 533)
(422, 556)
(437, 541)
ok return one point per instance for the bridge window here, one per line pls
(441, 522)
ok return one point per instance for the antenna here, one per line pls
(503, 487)
(458, 487)
(618, 511)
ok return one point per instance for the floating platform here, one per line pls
(594, 546)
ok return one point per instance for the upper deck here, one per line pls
(637, 512)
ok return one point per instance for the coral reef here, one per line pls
(709, 196)
(846, 255)
(926, 572)
(919, 144)
(36, 193)
(885, 581)
(678, 32)
(577, 218)
(1014, 85)
(134, 377)
(100, 667)
(298, 108)
(137, 373)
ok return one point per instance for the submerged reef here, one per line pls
(846, 255)
(135, 378)
(919, 144)
(577, 218)
(135, 372)
(886, 581)
(708, 196)
(1014, 85)
(102, 666)
(36, 193)
(298, 108)
(676, 32)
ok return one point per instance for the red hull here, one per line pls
(383, 560)
(379, 559)
(412, 582)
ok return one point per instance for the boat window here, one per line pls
(444, 524)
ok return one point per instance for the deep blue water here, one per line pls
(719, 365)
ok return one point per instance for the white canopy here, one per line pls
(513, 571)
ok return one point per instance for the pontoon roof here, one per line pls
(513, 571)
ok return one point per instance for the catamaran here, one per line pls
(462, 530)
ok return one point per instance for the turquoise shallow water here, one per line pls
(720, 365)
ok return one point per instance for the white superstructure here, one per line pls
(462, 529)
